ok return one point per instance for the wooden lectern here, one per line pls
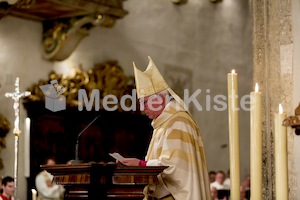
(103, 181)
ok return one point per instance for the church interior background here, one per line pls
(194, 44)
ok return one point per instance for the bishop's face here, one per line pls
(152, 105)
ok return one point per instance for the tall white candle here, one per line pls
(255, 144)
(27, 147)
(34, 194)
(234, 147)
(281, 164)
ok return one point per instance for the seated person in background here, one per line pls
(227, 180)
(8, 187)
(212, 176)
(214, 193)
(245, 188)
(243, 193)
(219, 182)
(47, 190)
(246, 183)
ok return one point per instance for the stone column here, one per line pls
(273, 71)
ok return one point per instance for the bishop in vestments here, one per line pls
(176, 141)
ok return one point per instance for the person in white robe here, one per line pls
(176, 141)
(47, 190)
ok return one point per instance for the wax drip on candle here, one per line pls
(256, 87)
(280, 109)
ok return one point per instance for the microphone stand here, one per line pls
(77, 161)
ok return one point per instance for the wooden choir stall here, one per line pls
(103, 181)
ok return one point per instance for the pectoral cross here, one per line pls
(16, 96)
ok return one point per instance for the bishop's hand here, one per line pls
(131, 161)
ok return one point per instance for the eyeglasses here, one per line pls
(143, 102)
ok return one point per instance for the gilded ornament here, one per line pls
(107, 77)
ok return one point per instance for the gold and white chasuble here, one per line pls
(177, 142)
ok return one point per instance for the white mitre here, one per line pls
(151, 82)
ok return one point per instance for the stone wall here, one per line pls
(274, 67)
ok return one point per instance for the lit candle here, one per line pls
(27, 148)
(280, 144)
(255, 144)
(34, 194)
(234, 148)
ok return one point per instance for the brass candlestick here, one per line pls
(294, 121)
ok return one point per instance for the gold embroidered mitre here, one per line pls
(150, 81)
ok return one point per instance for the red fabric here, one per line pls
(142, 163)
(4, 197)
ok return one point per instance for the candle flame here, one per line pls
(33, 191)
(27, 121)
(233, 71)
(280, 109)
(256, 87)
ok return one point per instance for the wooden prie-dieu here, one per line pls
(95, 181)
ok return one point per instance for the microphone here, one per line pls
(77, 161)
